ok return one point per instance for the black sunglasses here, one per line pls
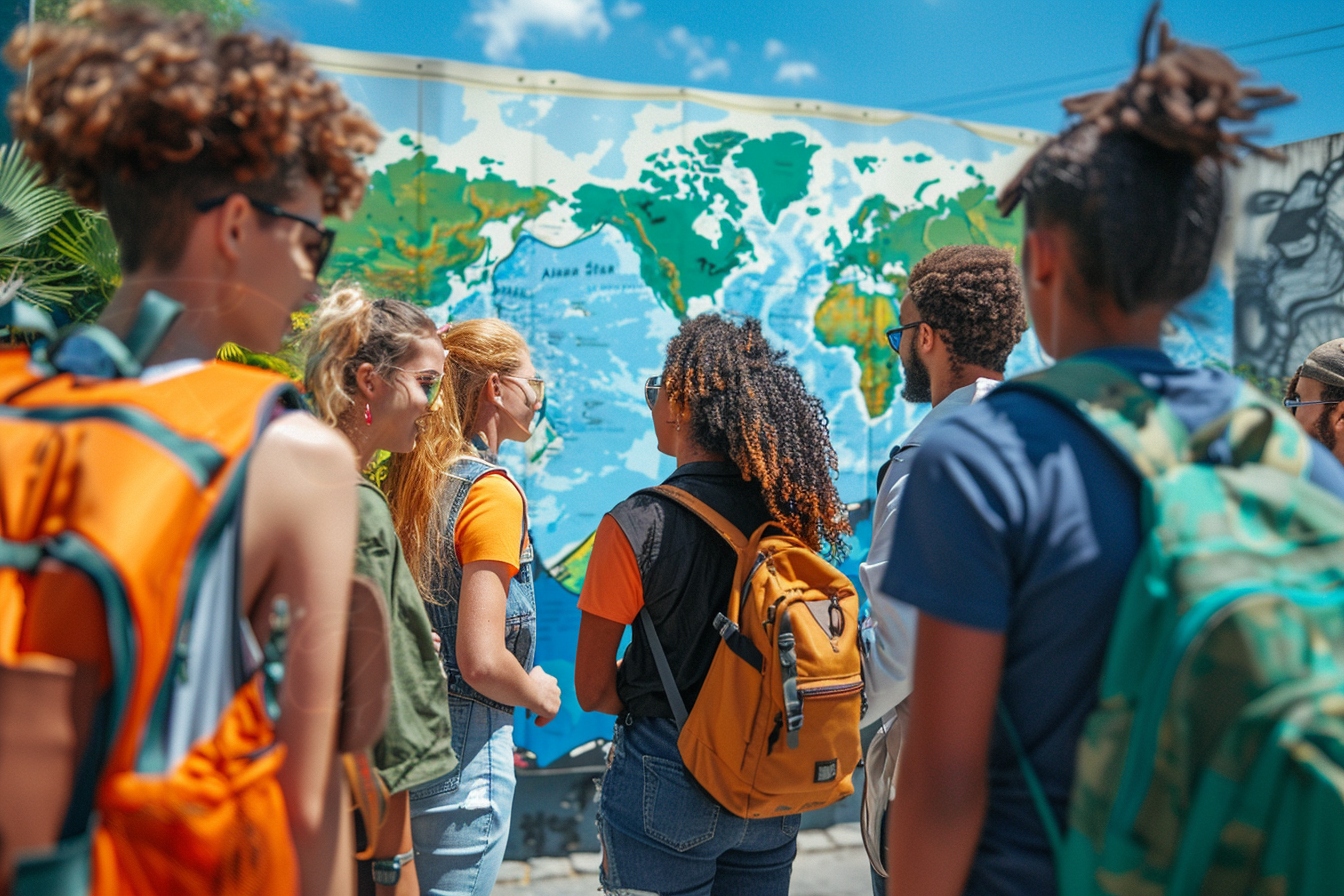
(895, 333)
(651, 387)
(317, 253)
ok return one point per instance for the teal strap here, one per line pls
(23, 556)
(277, 645)
(664, 669)
(1043, 808)
(156, 315)
(18, 315)
(65, 871)
(788, 665)
(126, 364)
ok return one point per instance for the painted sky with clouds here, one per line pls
(984, 60)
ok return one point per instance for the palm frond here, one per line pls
(28, 208)
(86, 238)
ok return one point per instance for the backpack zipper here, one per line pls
(830, 689)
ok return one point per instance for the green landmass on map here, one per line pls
(570, 570)
(865, 163)
(658, 218)
(859, 322)
(885, 241)
(421, 224)
(783, 169)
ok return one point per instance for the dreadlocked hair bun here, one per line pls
(1179, 99)
(120, 90)
(748, 404)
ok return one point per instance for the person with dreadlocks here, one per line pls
(1315, 394)
(1019, 522)
(753, 444)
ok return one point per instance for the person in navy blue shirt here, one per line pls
(1019, 523)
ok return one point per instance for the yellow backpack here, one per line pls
(775, 729)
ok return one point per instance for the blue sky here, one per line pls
(981, 60)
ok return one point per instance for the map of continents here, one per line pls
(595, 225)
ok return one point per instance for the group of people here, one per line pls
(1004, 529)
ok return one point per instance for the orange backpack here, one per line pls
(775, 729)
(135, 487)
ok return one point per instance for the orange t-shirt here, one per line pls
(490, 526)
(613, 587)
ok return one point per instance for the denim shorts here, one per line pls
(460, 821)
(662, 834)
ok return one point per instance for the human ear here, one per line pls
(1040, 257)
(365, 375)
(230, 226)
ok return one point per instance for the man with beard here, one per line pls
(960, 318)
(1314, 395)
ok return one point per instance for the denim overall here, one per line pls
(460, 822)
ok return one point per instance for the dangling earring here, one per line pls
(368, 415)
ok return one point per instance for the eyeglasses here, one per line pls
(317, 253)
(428, 380)
(651, 387)
(537, 383)
(895, 333)
(1293, 404)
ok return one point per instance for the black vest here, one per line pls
(687, 571)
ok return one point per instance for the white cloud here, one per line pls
(775, 48)
(701, 63)
(507, 22)
(795, 72)
(626, 9)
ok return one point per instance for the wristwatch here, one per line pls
(386, 872)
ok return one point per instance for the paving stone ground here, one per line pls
(831, 862)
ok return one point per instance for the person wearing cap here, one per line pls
(1314, 395)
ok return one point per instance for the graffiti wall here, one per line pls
(596, 216)
(1289, 255)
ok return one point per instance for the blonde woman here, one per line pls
(478, 561)
(374, 370)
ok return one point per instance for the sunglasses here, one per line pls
(537, 383)
(431, 382)
(651, 387)
(895, 333)
(1293, 404)
(317, 252)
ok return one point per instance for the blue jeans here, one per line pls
(460, 822)
(662, 834)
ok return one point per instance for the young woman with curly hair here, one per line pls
(374, 370)
(1019, 523)
(215, 157)
(476, 562)
(754, 445)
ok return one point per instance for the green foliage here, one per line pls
(224, 15)
(64, 255)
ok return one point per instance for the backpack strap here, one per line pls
(19, 316)
(1038, 798)
(1135, 420)
(738, 542)
(711, 517)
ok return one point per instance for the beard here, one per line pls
(1325, 430)
(917, 387)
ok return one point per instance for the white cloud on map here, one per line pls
(699, 53)
(775, 48)
(507, 23)
(793, 72)
(627, 9)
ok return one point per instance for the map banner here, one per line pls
(595, 216)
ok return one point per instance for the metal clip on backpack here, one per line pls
(1214, 761)
(775, 729)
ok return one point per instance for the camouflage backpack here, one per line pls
(1214, 760)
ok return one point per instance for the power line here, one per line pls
(958, 109)
(1010, 89)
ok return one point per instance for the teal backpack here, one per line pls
(1214, 760)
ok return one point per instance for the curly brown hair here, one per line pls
(146, 115)
(748, 404)
(972, 295)
(1137, 178)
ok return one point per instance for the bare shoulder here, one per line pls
(305, 440)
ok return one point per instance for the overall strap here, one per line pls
(664, 670)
